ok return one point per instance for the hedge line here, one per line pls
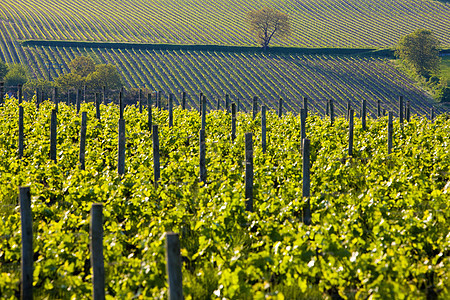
(217, 48)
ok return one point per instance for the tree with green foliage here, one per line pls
(3, 69)
(420, 50)
(85, 72)
(82, 65)
(104, 75)
(70, 81)
(267, 23)
(45, 87)
(17, 74)
(443, 94)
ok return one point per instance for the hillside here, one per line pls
(321, 23)
(244, 75)
(371, 24)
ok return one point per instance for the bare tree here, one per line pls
(267, 23)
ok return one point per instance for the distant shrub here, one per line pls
(434, 80)
(443, 94)
(17, 74)
(45, 87)
(420, 50)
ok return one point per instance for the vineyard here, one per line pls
(244, 75)
(380, 221)
(339, 23)
(323, 23)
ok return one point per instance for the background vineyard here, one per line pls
(379, 223)
(323, 23)
(244, 75)
(314, 24)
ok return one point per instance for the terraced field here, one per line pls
(268, 76)
(315, 23)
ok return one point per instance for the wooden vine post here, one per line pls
(364, 114)
(305, 106)
(2, 91)
(55, 98)
(408, 111)
(78, 101)
(21, 135)
(158, 100)
(156, 166)
(140, 100)
(350, 132)
(121, 148)
(97, 106)
(255, 107)
(233, 121)
(306, 192)
(105, 102)
(400, 100)
(280, 108)
(203, 112)
(432, 114)
(26, 287)
(390, 131)
(83, 140)
(53, 124)
(121, 108)
(331, 111)
(303, 123)
(202, 145)
(173, 266)
(68, 98)
(263, 128)
(227, 103)
(149, 111)
(349, 106)
(200, 99)
(248, 172)
(96, 245)
(171, 96)
(20, 92)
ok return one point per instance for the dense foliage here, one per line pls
(380, 226)
(84, 72)
(17, 74)
(420, 49)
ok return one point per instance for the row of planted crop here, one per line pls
(244, 75)
(314, 23)
(379, 221)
